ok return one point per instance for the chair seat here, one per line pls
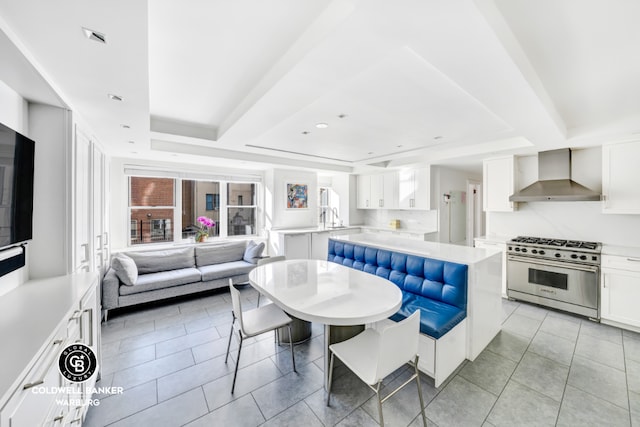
(263, 319)
(360, 355)
(436, 317)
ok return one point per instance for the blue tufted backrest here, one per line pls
(435, 279)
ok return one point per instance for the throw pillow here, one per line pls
(125, 269)
(253, 252)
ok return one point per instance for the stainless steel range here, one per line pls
(563, 274)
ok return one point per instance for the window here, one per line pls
(154, 204)
(241, 207)
(200, 198)
(151, 209)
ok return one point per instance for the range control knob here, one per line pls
(558, 255)
(517, 249)
(534, 251)
(541, 252)
(574, 256)
(524, 249)
(583, 257)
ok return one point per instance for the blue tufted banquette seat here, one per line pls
(438, 289)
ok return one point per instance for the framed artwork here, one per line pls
(297, 196)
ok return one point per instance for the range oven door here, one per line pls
(566, 283)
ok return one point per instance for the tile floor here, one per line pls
(544, 368)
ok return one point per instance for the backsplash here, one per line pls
(567, 220)
(426, 221)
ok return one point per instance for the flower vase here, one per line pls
(202, 238)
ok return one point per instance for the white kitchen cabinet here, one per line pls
(499, 183)
(320, 241)
(297, 246)
(414, 189)
(363, 192)
(620, 177)
(377, 191)
(620, 291)
(67, 308)
(496, 245)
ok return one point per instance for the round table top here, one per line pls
(326, 292)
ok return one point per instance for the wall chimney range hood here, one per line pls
(554, 181)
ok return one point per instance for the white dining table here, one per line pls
(342, 298)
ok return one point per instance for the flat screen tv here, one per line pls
(16, 187)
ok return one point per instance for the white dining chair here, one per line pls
(268, 260)
(373, 355)
(254, 322)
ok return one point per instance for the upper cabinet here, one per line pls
(620, 177)
(414, 189)
(378, 191)
(499, 183)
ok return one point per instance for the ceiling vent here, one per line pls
(94, 35)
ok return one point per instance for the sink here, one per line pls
(335, 227)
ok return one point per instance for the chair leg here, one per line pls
(424, 418)
(230, 335)
(293, 359)
(330, 379)
(235, 373)
(380, 402)
(259, 295)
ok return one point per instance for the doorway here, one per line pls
(475, 214)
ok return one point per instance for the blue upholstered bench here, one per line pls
(438, 289)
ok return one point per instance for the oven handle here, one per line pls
(550, 263)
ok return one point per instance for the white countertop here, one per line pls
(29, 317)
(442, 251)
(494, 238)
(319, 229)
(628, 251)
(326, 292)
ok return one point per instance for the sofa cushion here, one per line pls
(436, 318)
(161, 280)
(253, 252)
(218, 254)
(228, 269)
(125, 269)
(165, 260)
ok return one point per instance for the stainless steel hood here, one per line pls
(554, 181)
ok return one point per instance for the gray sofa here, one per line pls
(141, 276)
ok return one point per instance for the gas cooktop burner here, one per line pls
(559, 243)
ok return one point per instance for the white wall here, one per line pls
(14, 114)
(277, 214)
(49, 253)
(567, 220)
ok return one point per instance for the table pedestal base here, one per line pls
(300, 332)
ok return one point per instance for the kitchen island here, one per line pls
(484, 283)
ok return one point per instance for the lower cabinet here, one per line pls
(498, 246)
(44, 397)
(620, 291)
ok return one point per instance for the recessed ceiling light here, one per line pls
(322, 125)
(370, 152)
(305, 132)
(134, 152)
(132, 142)
(94, 35)
(438, 137)
(342, 116)
(114, 97)
(125, 126)
(399, 145)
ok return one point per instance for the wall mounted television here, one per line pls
(16, 187)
